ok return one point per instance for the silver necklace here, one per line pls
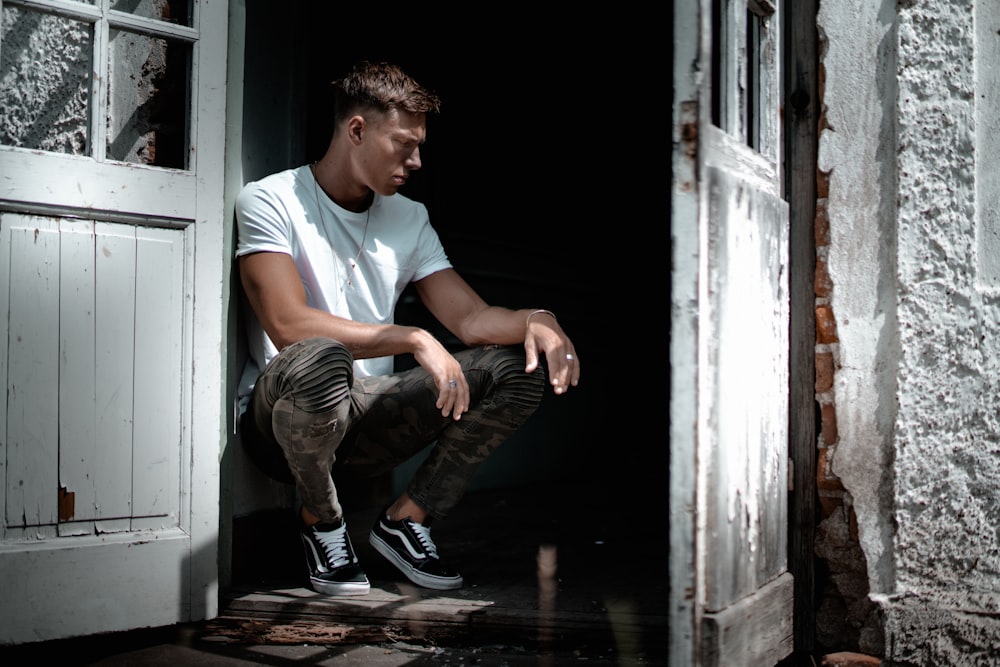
(322, 219)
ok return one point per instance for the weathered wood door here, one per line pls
(111, 290)
(730, 586)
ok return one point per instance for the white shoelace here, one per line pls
(424, 535)
(335, 545)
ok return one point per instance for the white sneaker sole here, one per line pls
(339, 589)
(416, 576)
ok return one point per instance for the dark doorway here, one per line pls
(547, 178)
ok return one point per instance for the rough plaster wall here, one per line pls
(856, 150)
(916, 385)
(45, 70)
(948, 508)
(44, 82)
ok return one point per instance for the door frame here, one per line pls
(799, 98)
(801, 128)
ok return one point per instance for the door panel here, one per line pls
(93, 584)
(745, 464)
(157, 405)
(111, 203)
(94, 370)
(32, 374)
(731, 590)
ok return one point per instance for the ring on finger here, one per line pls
(452, 383)
(570, 357)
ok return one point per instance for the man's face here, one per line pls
(391, 149)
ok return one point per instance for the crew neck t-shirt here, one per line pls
(354, 265)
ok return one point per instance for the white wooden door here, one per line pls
(111, 267)
(730, 586)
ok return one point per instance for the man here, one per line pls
(325, 251)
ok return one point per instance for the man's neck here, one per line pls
(339, 187)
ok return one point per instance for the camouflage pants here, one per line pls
(308, 413)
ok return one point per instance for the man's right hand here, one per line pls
(440, 364)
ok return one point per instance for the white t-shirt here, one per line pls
(286, 212)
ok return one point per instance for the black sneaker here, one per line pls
(333, 567)
(408, 545)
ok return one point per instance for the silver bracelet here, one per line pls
(527, 320)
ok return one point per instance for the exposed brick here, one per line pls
(826, 325)
(821, 225)
(828, 421)
(828, 504)
(822, 184)
(824, 372)
(821, 90)
(825, 479)
(849, 659)
(822, 284)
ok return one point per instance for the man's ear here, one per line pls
(356, 129)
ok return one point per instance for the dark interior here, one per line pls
(547, 177)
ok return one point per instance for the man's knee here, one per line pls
(513, 381)
(319, 373)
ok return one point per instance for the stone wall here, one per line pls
(908, 339)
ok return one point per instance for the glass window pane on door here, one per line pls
(172, 11)
(148, 99)
(44, 81)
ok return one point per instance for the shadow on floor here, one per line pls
(552, 576)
